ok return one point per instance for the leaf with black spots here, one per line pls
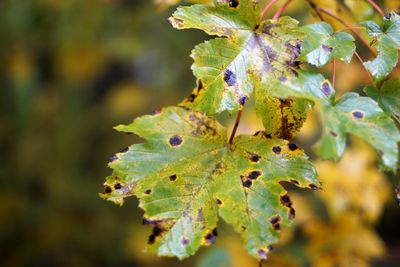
(321, 45)
(185, 188)
(251, 53)
(351, 113)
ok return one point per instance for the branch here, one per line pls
(318, 10)
(362, 63)
(376, 7)
(282, 8)
(267, 7)
(238, 117)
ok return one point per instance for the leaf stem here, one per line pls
(333, 72)
(235, 127)
(329, 13)
(376, 7)
(282, 8)
(362, 63)
(267, 7)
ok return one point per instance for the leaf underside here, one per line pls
(186, 176)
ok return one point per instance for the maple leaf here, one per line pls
(351, 113)
(187, 175)
(387, 42)
(321, 45)
(251, 54)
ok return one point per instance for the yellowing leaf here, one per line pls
(354, 184)
(344, 242)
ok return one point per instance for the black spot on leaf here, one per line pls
(172, 177)
(254, 175)
(294, 182)
(107, 190)
(262, 254)
(283, 78)
(147, 192)
(184, 241)
(387, 16)
(124, 150)
(113, 158)
(175, 140)
(233, 3)
(275, 220)
(247, 183)
(242, 99)
(270, 247)
(285, 200)
(156, 112)
(333, 134)
(277, 149)
(326, 89)
(292, 146)
(254, 157)
(229, 77)
(211, 237)
(219, 202)
(151, 240)
(117, 186)
(358, 114)
(327, 48)
(313, 186)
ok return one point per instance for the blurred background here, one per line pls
(71, 70)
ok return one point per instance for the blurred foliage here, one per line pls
(70, 71)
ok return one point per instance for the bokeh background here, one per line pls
(71, 70)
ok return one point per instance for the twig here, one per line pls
(333, 72)
(282, 8)
(376, 7)
(362, 63)
(267, 7)
(328, 12)
(235, 127)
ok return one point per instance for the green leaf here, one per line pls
(230, 69)
(388, 97)
(321, 45)
(387, 42)
(353, 114)
(186, 176)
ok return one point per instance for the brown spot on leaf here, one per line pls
(175, 140)
(285, 200)
(113, 158)
(333, 133)
(147, 192)
(275, 220)
(219, 202)
(172, 177)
